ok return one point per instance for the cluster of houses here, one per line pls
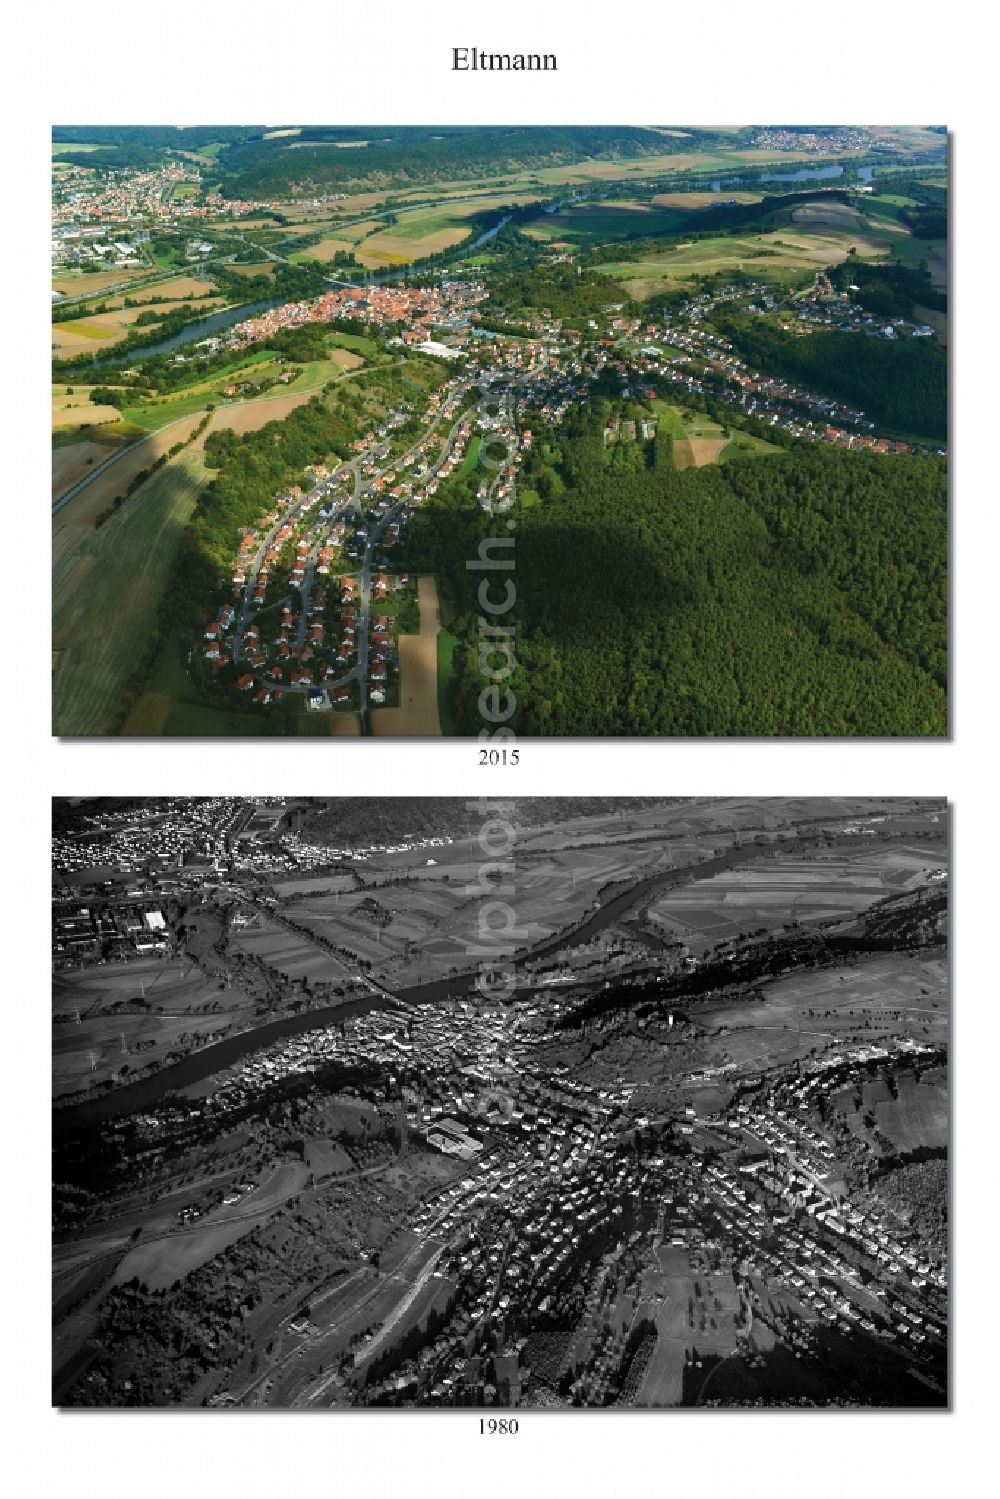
(420, 308)
(298, 543)
(121, 196)
(161, 835)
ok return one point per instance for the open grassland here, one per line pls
(106, 589)
(417, 714)
(180, 1002)
(80, 283)
(173, 1256)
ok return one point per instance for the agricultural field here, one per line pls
(75, 521)
(596, 223)
(809, 237)
(345, 238)
(681, 1302)
(259, 268)
(72, 408)
(96, 650)
(74, 460)
(415, 235)
(183, 1007)
(95, 331)
(417, 714)
(772, 892)
(102, 330)
(174, 1256)
(418, 930)
(288, 954)
(893, 995)
(81, 283)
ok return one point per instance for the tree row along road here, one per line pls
(222, 405)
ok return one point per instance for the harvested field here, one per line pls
(705, 449)
(264, 268)
(176, 287)
(77, 410)
(247, 416)
(72, 461)
(936, 320)
(345, 725)
(702, 200)
(149, 716)
(75, 522)
(327, 248)
(417, 714)
(346, 359)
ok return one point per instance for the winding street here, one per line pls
(376, 529)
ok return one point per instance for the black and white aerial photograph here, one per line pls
(544, 1104)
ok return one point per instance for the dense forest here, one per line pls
(900, 383)
(803, 594)
(391, 156)
(888, 290)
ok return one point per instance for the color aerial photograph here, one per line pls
(556, 1103)
(422, 431)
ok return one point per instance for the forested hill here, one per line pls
(801, 595)
(400, 156)
(356, 821)
(900, 383)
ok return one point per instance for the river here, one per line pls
(217, 322)
(205, 327)
(802, 174)
(147, 1092)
